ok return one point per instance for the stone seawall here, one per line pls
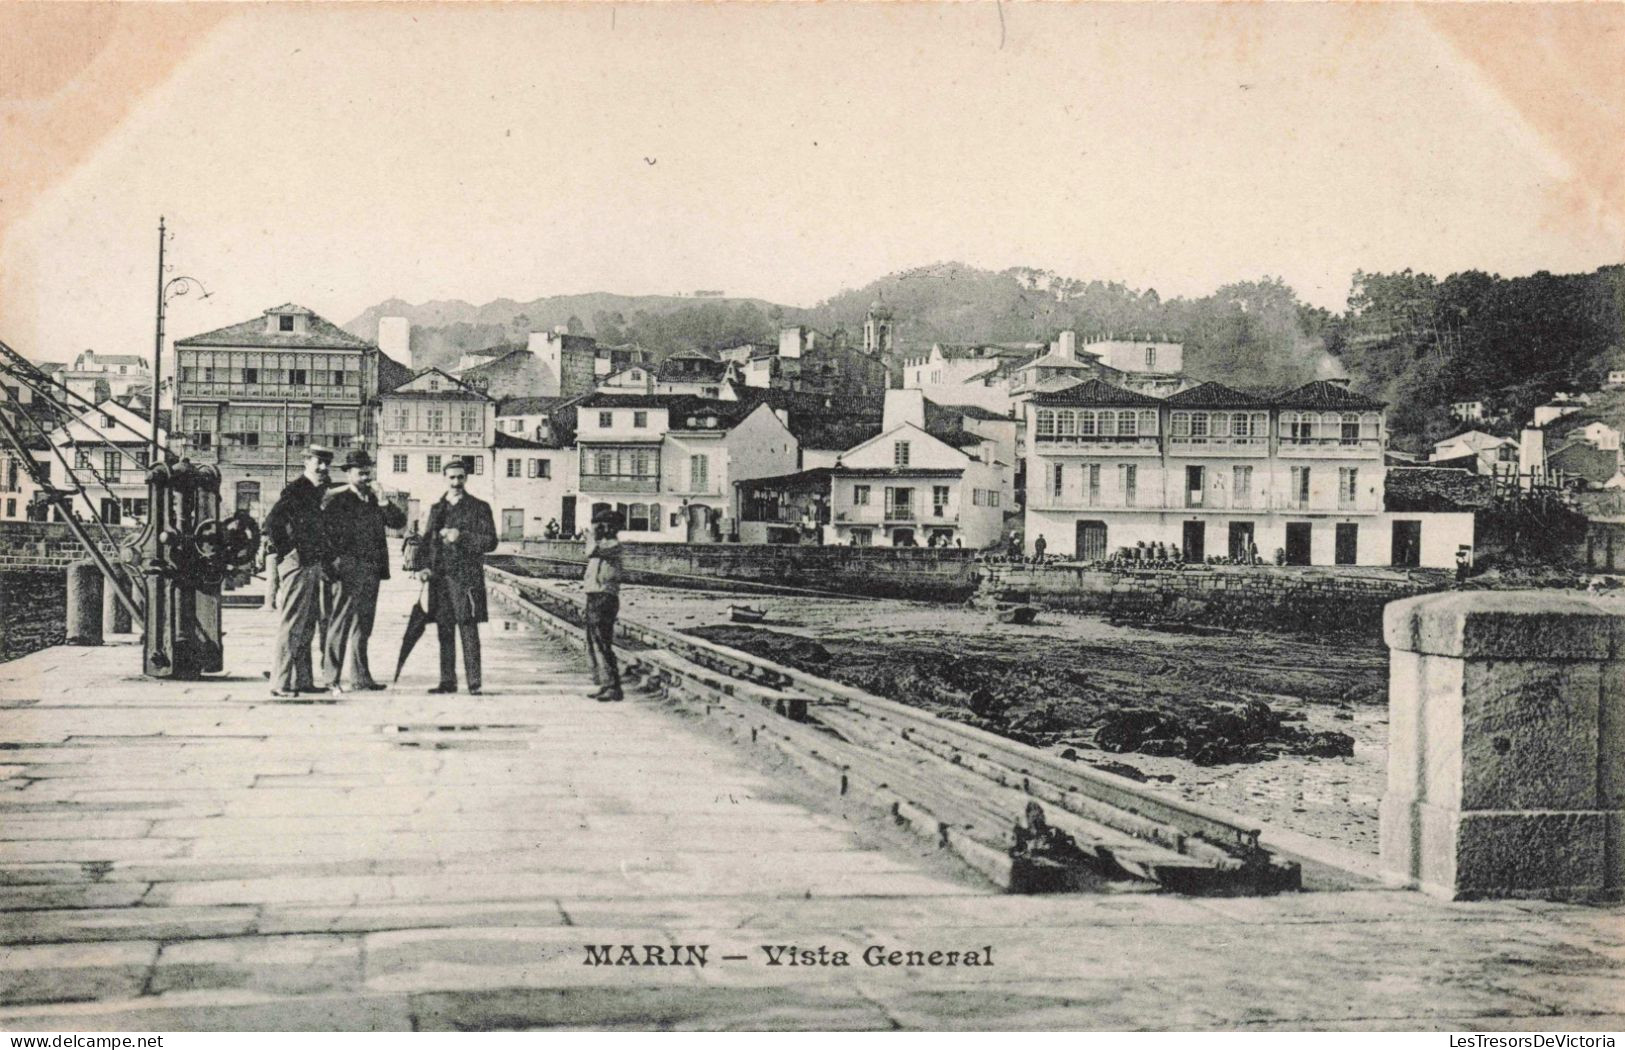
(46, 545)
(1270, 597)
(891, 572)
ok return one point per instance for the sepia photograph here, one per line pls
(788, 517)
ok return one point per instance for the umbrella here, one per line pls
(416, 624)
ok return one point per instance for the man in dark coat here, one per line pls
(355, 521)
(460, 533)
(299, 544)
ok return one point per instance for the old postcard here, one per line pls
(990, 516)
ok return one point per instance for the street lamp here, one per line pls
(173, 288)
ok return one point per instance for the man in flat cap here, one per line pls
(355, 520)
(304, 561)
(459, 534)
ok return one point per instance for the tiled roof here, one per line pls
(1588, 461)
(801, 479)
(515, 441)
(1054, 360)
(690, 366)
(1215, 395)
(1321, 394)
(391, 373)
(898, 472)
(528, 406)
(825, 433)
(609, 399)
(1095, 392)
(488, 366)
(319, 334)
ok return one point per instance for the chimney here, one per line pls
(1067, 345)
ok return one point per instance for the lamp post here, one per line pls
(167, 290)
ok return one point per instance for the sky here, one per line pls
(337, 156)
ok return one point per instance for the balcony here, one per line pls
(894, 513)
(1189, 445)
(350, 393)
(1095, 444)
(642, 483)
(433, 438)
(1330, 448)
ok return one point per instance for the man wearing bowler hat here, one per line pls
(304, 562)
(459, 534)
(355, 521)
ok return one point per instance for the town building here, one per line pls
(696, 373)
(807, 361)
(1214, 471)
(97, 377)
(106, 450)
(1467, 411)
(422, 424)
(1478, 452)
(669, 462)
(533, 488)
(906, 487)
(252, 395)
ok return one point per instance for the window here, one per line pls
(1127, 480)
(939, 501)
(1371, 428)
(45, 471)
(475, 464)
(107, 420)
(1094, 484)
(513, 426)
(433, 464)
(699, 473)
(11, 508)
(1348, 486)
(338, 377)
(434, 384)
(863, 537)
(1150, 358)
(398, 463)
(860, 495)
(1108, 424)
(1199, 422)
(110, 466)
(1181, 430)
(1349, 433)
(1195, 485)
(143, 458)
(1241, 487)
(1298, 495)
(1058, 480)
(471, 419)
(606, 420)
(637, 517)
(1046, 422)
(251, 375)
(543, 468)
(993, 497)
(81, 459)
(640, 420)
(1066, 424)
(284, 322)
(402, 417)
(1086, 424)
(1128, 423)
(437, 419)
(899, 453)
(515, 467)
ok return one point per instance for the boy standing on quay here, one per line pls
(603, 587)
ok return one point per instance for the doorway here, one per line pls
(1241, 540)
(1091, 541)
(567, 517)
(1195, 542)
(513, 524)
(1299, 537)
(1348, 544)
(1407, 544)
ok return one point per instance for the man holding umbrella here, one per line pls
(459, 534)
(355, 521)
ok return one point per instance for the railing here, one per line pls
(1189, 443)
(432, 437)
(899, 514)
(349, 392)
(619, 483)
(1053, 442)
(1289, 443)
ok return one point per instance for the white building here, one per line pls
(533, 488)
(669, 462)
(906, 487)
(423, 423)
(1216, 471)
(119, 373)
(107, 449)
(1490, 455)
(1467, 411)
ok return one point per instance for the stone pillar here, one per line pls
(115, 617)
(1506, 755)
(84, 619)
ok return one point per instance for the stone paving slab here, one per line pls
(194, 856)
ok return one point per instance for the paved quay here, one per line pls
(194, 855)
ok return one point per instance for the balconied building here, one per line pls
(252, 395)
(1221, 472)
(425, 422)
(669, 462)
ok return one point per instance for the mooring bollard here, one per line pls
(1506, 756)
(84, 620)
(115, 617)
